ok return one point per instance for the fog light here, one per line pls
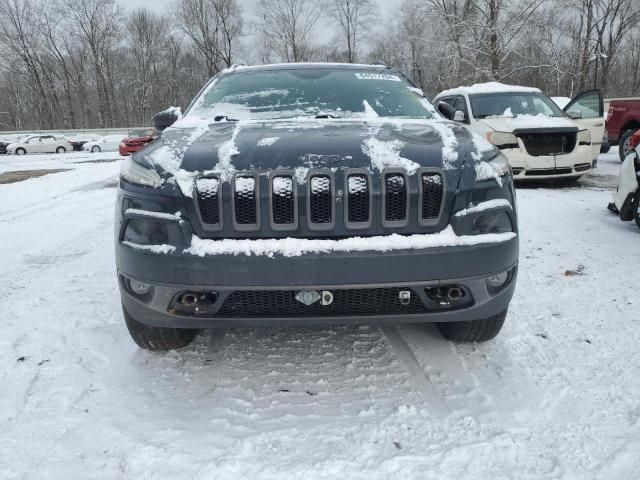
(498, 280)
(138, 287)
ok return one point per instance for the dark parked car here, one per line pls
(314, 194)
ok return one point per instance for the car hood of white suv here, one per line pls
(526, 122)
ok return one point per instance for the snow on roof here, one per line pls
(489, 87)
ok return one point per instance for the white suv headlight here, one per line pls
(584, 137)
(503, 139)
(135, 172)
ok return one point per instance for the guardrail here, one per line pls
(68, 133)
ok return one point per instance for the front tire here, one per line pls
(21, 151)
(61, 150)
(624, 148)
(636, 208)
(473, 330)
(95, 149)
(158, 338)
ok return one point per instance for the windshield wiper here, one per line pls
(220, 118)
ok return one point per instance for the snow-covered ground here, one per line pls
(555, 396)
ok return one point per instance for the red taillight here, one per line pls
(635, 140)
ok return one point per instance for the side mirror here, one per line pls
(574, 114)
(165, 119)
(459, 116)
(446, 110)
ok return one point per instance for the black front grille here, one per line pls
(208, 201)
(548, 171)
(320, 201)
(395, 201)
(539, 144)
(245, 201)
(431, 195)
(358, 209)
(282, 200)
(283, 303)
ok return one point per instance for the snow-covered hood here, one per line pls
(528, 122)
(224, 148)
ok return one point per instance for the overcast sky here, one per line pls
(250, 7)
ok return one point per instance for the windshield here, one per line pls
(311, 92)
(513, 104)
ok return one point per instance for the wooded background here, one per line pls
(91, 63)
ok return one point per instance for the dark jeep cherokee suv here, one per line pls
(313, 194)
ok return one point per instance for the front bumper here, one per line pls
(570, 165)
(418, 270)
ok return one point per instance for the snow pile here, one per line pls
(482, 206)
(148, 213)
(245, 185)
(170, 162)
(484, 171)
(449, 144)
(369, 112)
(267, 142)
(387, 155)
(482, 146)
(226, 151)
(294, 247)
(538, 121)
(207, 187)
(417, 91)
(320, 184)
(282, 186)
(160, 249)
(357, 184)
(489, 87)
(301, 175)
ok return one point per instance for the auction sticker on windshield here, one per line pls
(378, 76)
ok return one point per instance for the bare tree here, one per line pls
(287, 25)
(353, 18)
(214, 26)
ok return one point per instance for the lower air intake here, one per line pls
(283, 303)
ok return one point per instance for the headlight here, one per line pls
(482, 223)
(137, 170)
(584, 137)
(503, 139)
(491, 222)
(495, 168)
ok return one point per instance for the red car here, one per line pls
(136, 140)
(635, 140)
(622, 122)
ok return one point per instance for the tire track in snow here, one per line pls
(421, 380)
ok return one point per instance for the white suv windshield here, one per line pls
(311, 92)
(513, 104)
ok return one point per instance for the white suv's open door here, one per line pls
(587, 110)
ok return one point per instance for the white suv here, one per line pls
(540, 140)
(39, 144)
